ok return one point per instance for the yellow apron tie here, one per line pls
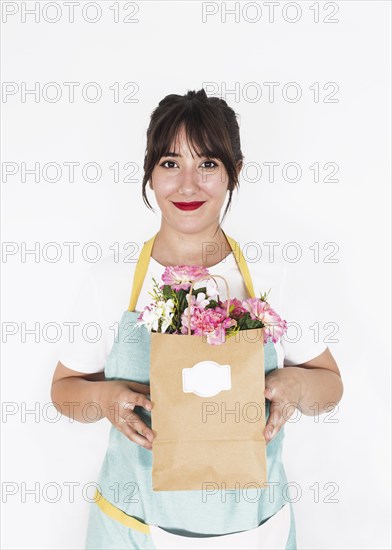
(117, 514)
(144, 258)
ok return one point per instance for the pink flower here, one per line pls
(211, 321)
(181, 276)
(275, 330)
(236, 309)
(140, 316)
(274, 325)
(200, 301)
(256, 307)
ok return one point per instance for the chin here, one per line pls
(189, 226)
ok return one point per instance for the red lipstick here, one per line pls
(188, 205)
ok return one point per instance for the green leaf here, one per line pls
(264, 297)
(212, 304)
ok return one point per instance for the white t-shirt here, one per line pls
(104, 295)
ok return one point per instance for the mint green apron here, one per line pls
(125, 476)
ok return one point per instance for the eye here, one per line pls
(210, 163)
(165, 162)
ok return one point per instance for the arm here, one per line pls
(73, 393)
(320, 382)
(312, 387)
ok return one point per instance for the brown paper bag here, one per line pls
(208, 421)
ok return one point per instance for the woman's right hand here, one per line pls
(118, 398)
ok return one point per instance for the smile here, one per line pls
(188, 205)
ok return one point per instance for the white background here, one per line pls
(171, 50)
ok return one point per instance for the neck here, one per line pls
(206, 248)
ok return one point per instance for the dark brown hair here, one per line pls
(210, 126)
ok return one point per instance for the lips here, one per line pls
(188, 205)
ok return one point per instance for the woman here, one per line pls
(193, 158)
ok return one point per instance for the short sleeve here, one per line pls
(302, 309)
(83, 346)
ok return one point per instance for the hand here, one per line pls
(284, 387)
(118, 399)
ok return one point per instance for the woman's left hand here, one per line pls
(284, 387)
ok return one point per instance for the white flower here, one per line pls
(160, 311)
(167, 313)
(211, 288)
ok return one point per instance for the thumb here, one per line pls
(274, 420)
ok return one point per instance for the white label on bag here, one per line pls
(206, 378)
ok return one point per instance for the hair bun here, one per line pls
(200, 94)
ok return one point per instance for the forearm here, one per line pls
(78, 398)
(322, 389)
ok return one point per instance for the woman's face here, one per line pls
(181, 178)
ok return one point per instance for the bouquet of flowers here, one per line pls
(169, 311)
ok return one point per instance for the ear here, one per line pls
(239, 166)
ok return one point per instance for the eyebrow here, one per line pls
(171, 154)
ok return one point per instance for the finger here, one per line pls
(139, 388)
(136, 424)
(134, 436)
(132, 433)
(269, 392)
(137, 400)
(275, 420)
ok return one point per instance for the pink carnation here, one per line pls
(180, 277)
(274, 325)
(275, 330)
(212, 322)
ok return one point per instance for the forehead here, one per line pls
(182, 145)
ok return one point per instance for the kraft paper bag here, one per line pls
(208, 411)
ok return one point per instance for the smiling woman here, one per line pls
(190, 192)
(193, 159)
(209, 125)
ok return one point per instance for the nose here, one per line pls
(189, 182)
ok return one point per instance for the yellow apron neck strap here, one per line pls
(144, 259)
(140, 272)
(243, 266)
